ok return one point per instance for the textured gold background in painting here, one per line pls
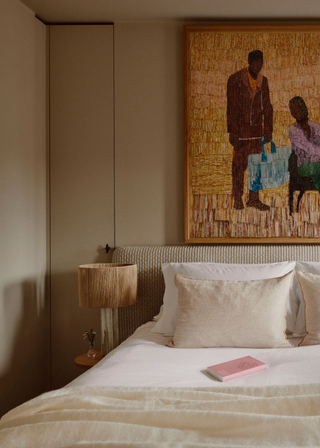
(292, 66)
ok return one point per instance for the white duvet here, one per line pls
(144, 360)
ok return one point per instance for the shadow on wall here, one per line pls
(69, 321)
(24, 345)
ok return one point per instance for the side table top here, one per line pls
(84, 362)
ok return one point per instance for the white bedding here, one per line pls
(144, 360)
(189, 409)
(87, 417)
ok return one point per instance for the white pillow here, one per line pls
(227, 313)
(310, 286)
(312, 268)
(217, 271)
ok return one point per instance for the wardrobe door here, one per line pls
(81, 179)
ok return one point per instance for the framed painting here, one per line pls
(252, 133)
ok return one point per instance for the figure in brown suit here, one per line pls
(250, 118)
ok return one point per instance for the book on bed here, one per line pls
(236, 368)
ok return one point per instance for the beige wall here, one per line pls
(149, 133)
(24, 307)
(148, 158)
(82, 180)
(148, 149)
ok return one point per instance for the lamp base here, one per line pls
(109, 330)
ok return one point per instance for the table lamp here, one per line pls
(108, 286)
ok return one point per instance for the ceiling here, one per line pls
(98, 11)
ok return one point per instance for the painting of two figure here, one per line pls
(252, 133)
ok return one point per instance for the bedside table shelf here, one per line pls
(86, 363)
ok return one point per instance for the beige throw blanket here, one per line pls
(279, 416)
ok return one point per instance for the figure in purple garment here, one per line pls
(305, 138)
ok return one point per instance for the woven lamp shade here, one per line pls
(107, 285)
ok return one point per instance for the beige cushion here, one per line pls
(310, 288)
(222, 313)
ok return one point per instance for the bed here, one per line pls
(154, 390)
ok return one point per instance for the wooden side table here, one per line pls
(86, 363)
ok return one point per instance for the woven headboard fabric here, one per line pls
(150, 278)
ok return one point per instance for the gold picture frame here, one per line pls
(291, 65)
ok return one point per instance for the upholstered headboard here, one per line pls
(150, 279)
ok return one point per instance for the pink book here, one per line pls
(236, 368)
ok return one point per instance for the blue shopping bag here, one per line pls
(268, 169)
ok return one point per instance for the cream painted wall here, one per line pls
(149, 133)
(82, 180)
(24, 305)
(148, 159)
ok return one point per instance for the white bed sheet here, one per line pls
(144, 360)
